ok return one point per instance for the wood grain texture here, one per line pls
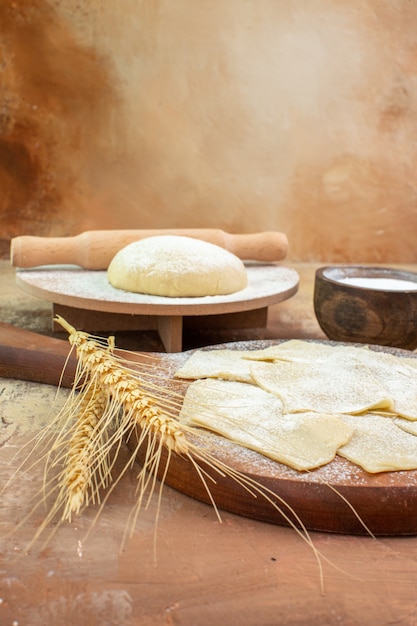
(378, 316)
(386, 502)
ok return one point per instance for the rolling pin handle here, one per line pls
(266, 246)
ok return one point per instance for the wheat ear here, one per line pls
(131, 410)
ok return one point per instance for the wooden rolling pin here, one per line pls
(94, 249)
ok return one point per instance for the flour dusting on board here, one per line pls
(264, 281)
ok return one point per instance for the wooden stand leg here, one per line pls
(170, 332)
(170, 328)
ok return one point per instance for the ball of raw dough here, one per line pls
(176, 266)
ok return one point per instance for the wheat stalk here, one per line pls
(86, 468)
(110, 402)
(136, 410)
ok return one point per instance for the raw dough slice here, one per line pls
(174, 266)
(302, 351)
(253, 418)
(407, 425)
(227, 364)
(396, 374)
(378, 445)
(293, 350)
(398, 377)
(332, 385)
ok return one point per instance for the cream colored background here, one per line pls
(296, 115)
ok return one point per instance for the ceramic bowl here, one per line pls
(362, 304)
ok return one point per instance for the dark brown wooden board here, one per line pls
(324, 499)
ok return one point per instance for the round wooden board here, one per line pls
(72, 286)
(325, 499)
(339, 497)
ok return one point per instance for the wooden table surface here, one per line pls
(192, 570)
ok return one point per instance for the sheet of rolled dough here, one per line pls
(397, 374)
(407, 425)
(254, 418)
(298, 350)
(227, 364)
(333, 385)
(378, 445)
